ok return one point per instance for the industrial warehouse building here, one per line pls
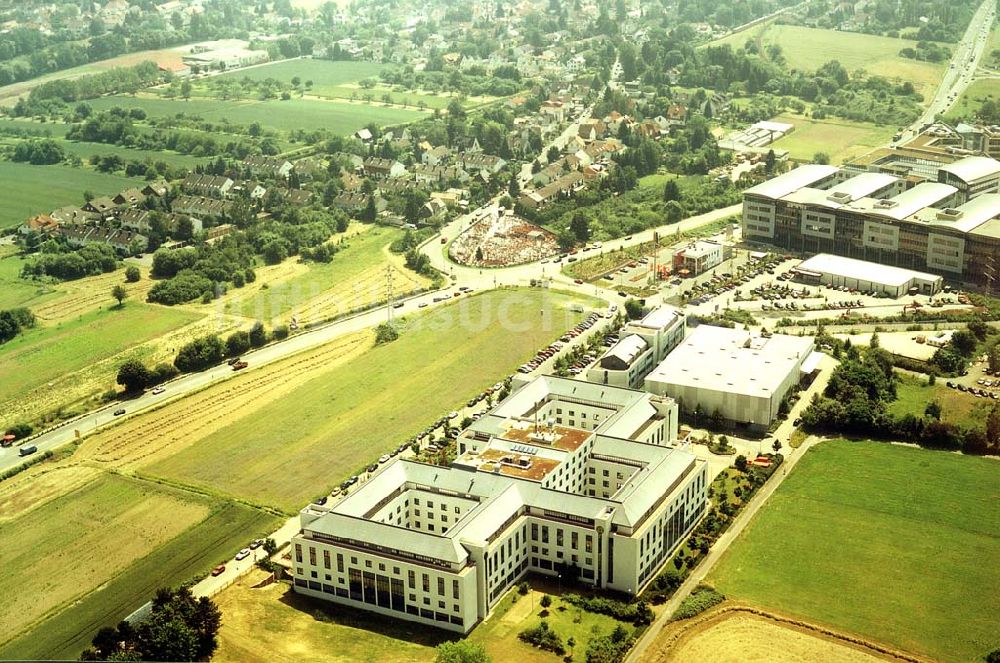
(643, 343)
(563, 477)
(839, 271)
(949, 227)
(741, 374)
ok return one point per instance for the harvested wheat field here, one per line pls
(733, 635)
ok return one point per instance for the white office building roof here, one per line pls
(964, 218)
(863, 185)
(827, 263)
(733, 361)
(908, 203)
(628, 349)
(660, 317)
(793, 180)
(973, 168)
(702, 248)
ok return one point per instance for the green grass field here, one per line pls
(959, 408)
(842, 140)
(337, 116)
(981, 91)
(321, 72)
(333, 80)
(15, 291)
(86, 150)
(54, 129)
(292, 450)
(31, 190)
(810, 48)
(46, 354)
(894, 543)
(109, 546)
(256, 624)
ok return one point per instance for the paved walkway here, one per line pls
(721, 545)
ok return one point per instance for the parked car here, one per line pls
(373, 467)
(119, 412)
(159, 390)
(384, 458)
(243, 554)
(256, 543)
(219, 570)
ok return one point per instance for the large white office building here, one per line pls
(563, 477)
(643, 344)
(743, 375)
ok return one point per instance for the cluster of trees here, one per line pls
(543, 637)
(856, 399)
(206, 351)
(58, 260)
(295, 231)
(14, 321)
(610, 648)
(39, 151)
(202, 271)
(115, 126)
(926, 20)
(955, 355)
(638, 612)
(179, 627)
(135, 376)
(926, 50)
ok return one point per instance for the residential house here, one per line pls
(42, 223)
(101, 205)
(353, 202)
(157, 188)
(475, 161)
(215, 186)
(563, 187)
(200, 206)
(262, 166)
(434, 175)
(433, 208)
(129, 197)
(435, 156)
(379, 169)
(554, 110)
(71, 215)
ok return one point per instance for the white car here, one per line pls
(159, 390)
(243, 554)
(452, 414)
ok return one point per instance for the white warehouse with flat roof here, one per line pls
(563, 477)
(829, 269)
(744, 375)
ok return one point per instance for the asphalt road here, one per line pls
(961, 70)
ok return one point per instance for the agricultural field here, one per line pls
(885, 541)
(335, 115)
(15, 291)
(959, 408)
(272, 623)
(106, 547)
(727, 637)
(353, 412)
(317, 291)
(31, 190)
(842, 140)
(54, 129)
(43, 364)
(810, 48)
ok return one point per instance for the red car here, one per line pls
(219, 570)
(578, 281)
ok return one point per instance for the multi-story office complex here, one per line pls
(563, 477)
(949, 227)
(643, 343)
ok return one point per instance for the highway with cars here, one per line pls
(961, 70)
